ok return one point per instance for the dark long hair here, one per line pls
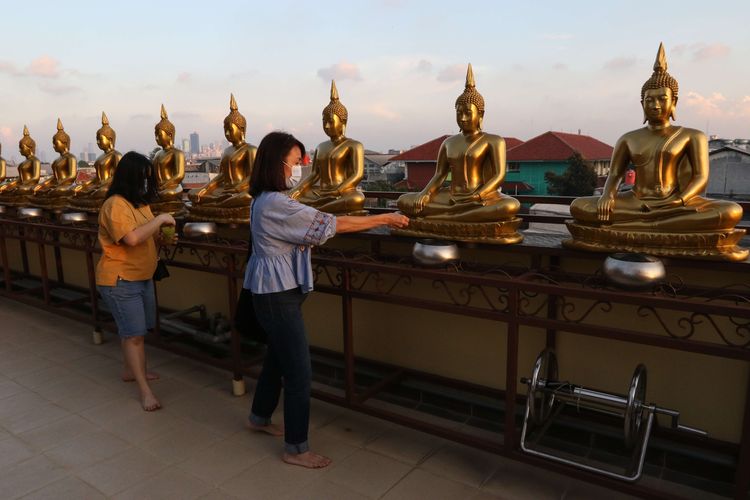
(134, 180)
(268, 171)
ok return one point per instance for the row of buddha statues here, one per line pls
(664, 214)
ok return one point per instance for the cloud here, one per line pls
(44, 66)
(706, 105)
(701, 51)
(184, 115)
(560, 67)
(184, 77)
(424, 66)
(619, 63)
(8, 67)
(54, 89)
(557, 37)
(6, 132)
(141, 116)
(381, 111)
(713, 51)
(340, 71)
(452, 73)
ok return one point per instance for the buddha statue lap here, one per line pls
(88, 196)
(226, 197)
(18, 191)
(338, 167)
(54, 192)
(472, 207)
(169, 168)
(664, 214)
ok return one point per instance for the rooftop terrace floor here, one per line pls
(69, 428)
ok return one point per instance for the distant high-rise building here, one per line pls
(83, 156)
(186, 145)
(92, 157)
(195, 145)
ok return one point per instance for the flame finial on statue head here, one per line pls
(164, 124)
(26, 140)
(335, 107)
(61, 135)
(106, 130)
(470, 94)
(660, 78)
(234, 115)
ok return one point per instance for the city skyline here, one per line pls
(399, 67)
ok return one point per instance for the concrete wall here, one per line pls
(729, 174)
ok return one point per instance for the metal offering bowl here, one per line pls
(198, 229)
(435, 253)
(2, 209)
(634, 270)
(73, 217)
(29, 213)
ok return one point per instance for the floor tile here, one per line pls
(422, 484)
(60, 431)
(35, 417)
(356, 429)
(368, 473)
(122, 471)
(461, 463)
(169, 484)
(87, 449)
(227, 458)
(25, 477)
(68, 488)
(405, 444)
(13, 451)
(180, 444)
(524, 482)
(270, 478)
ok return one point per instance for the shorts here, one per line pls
(132, 304)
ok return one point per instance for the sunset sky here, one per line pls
(399, 66)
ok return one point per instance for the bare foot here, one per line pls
(272, 429)
(307, 459)
(150, 403)
(128, 376)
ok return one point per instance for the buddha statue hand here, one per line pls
(604, 206)
(417, 203)
(671, 202)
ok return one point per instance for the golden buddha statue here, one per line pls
(226, 197)
(18, 191)
(3, 167)
(664, 214)
(90, 195)
(472, 207)
(169, 166)
(53, 193)
(338, 167)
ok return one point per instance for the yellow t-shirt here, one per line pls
(118, 217)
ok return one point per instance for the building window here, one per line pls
(514, 167)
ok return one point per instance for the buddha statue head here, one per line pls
(470, 106)
(335, 115)
(61, 140)
(234, 123)
(26, 145)
(659, 93)
(164, 130)
(105, 136)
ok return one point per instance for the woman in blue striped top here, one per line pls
(279, 274)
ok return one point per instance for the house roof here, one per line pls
(429, 150)
(555, 146)
(729, 148)
(379, 158)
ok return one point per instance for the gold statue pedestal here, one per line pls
(176, 208)
(57, 204)
(497, 233)
(709, 245)
(86, 203)
(202, 213)
(14, 199)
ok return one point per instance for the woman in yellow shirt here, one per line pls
(128, 233)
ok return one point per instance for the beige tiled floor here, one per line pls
(70, 429)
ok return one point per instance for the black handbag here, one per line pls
(245, 321)
(161, 271)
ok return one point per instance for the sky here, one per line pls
(399, 66)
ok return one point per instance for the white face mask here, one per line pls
(295, 177)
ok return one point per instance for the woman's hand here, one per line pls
(166, 220)
(395, 220)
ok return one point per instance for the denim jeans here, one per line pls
(287, 358)
(132, 304)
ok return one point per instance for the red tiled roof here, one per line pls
(429, 150)
(556, 146)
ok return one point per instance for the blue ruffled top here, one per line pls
(283, 231)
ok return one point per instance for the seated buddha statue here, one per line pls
(89, 195)
(226, 197)
(472, 207)
(18, 191)
(665, 212)
(169, 167)
(3, 168)
(53, 193)
(337, 168)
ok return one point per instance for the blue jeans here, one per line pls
(132, 304)
(287, 358)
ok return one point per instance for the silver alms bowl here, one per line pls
(73, 217)
(634, 270)
(435, 252)
(29, 213)
(198, 229)
(2, 209)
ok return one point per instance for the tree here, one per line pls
(579, 179)
(82, 164)
(153, 153)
